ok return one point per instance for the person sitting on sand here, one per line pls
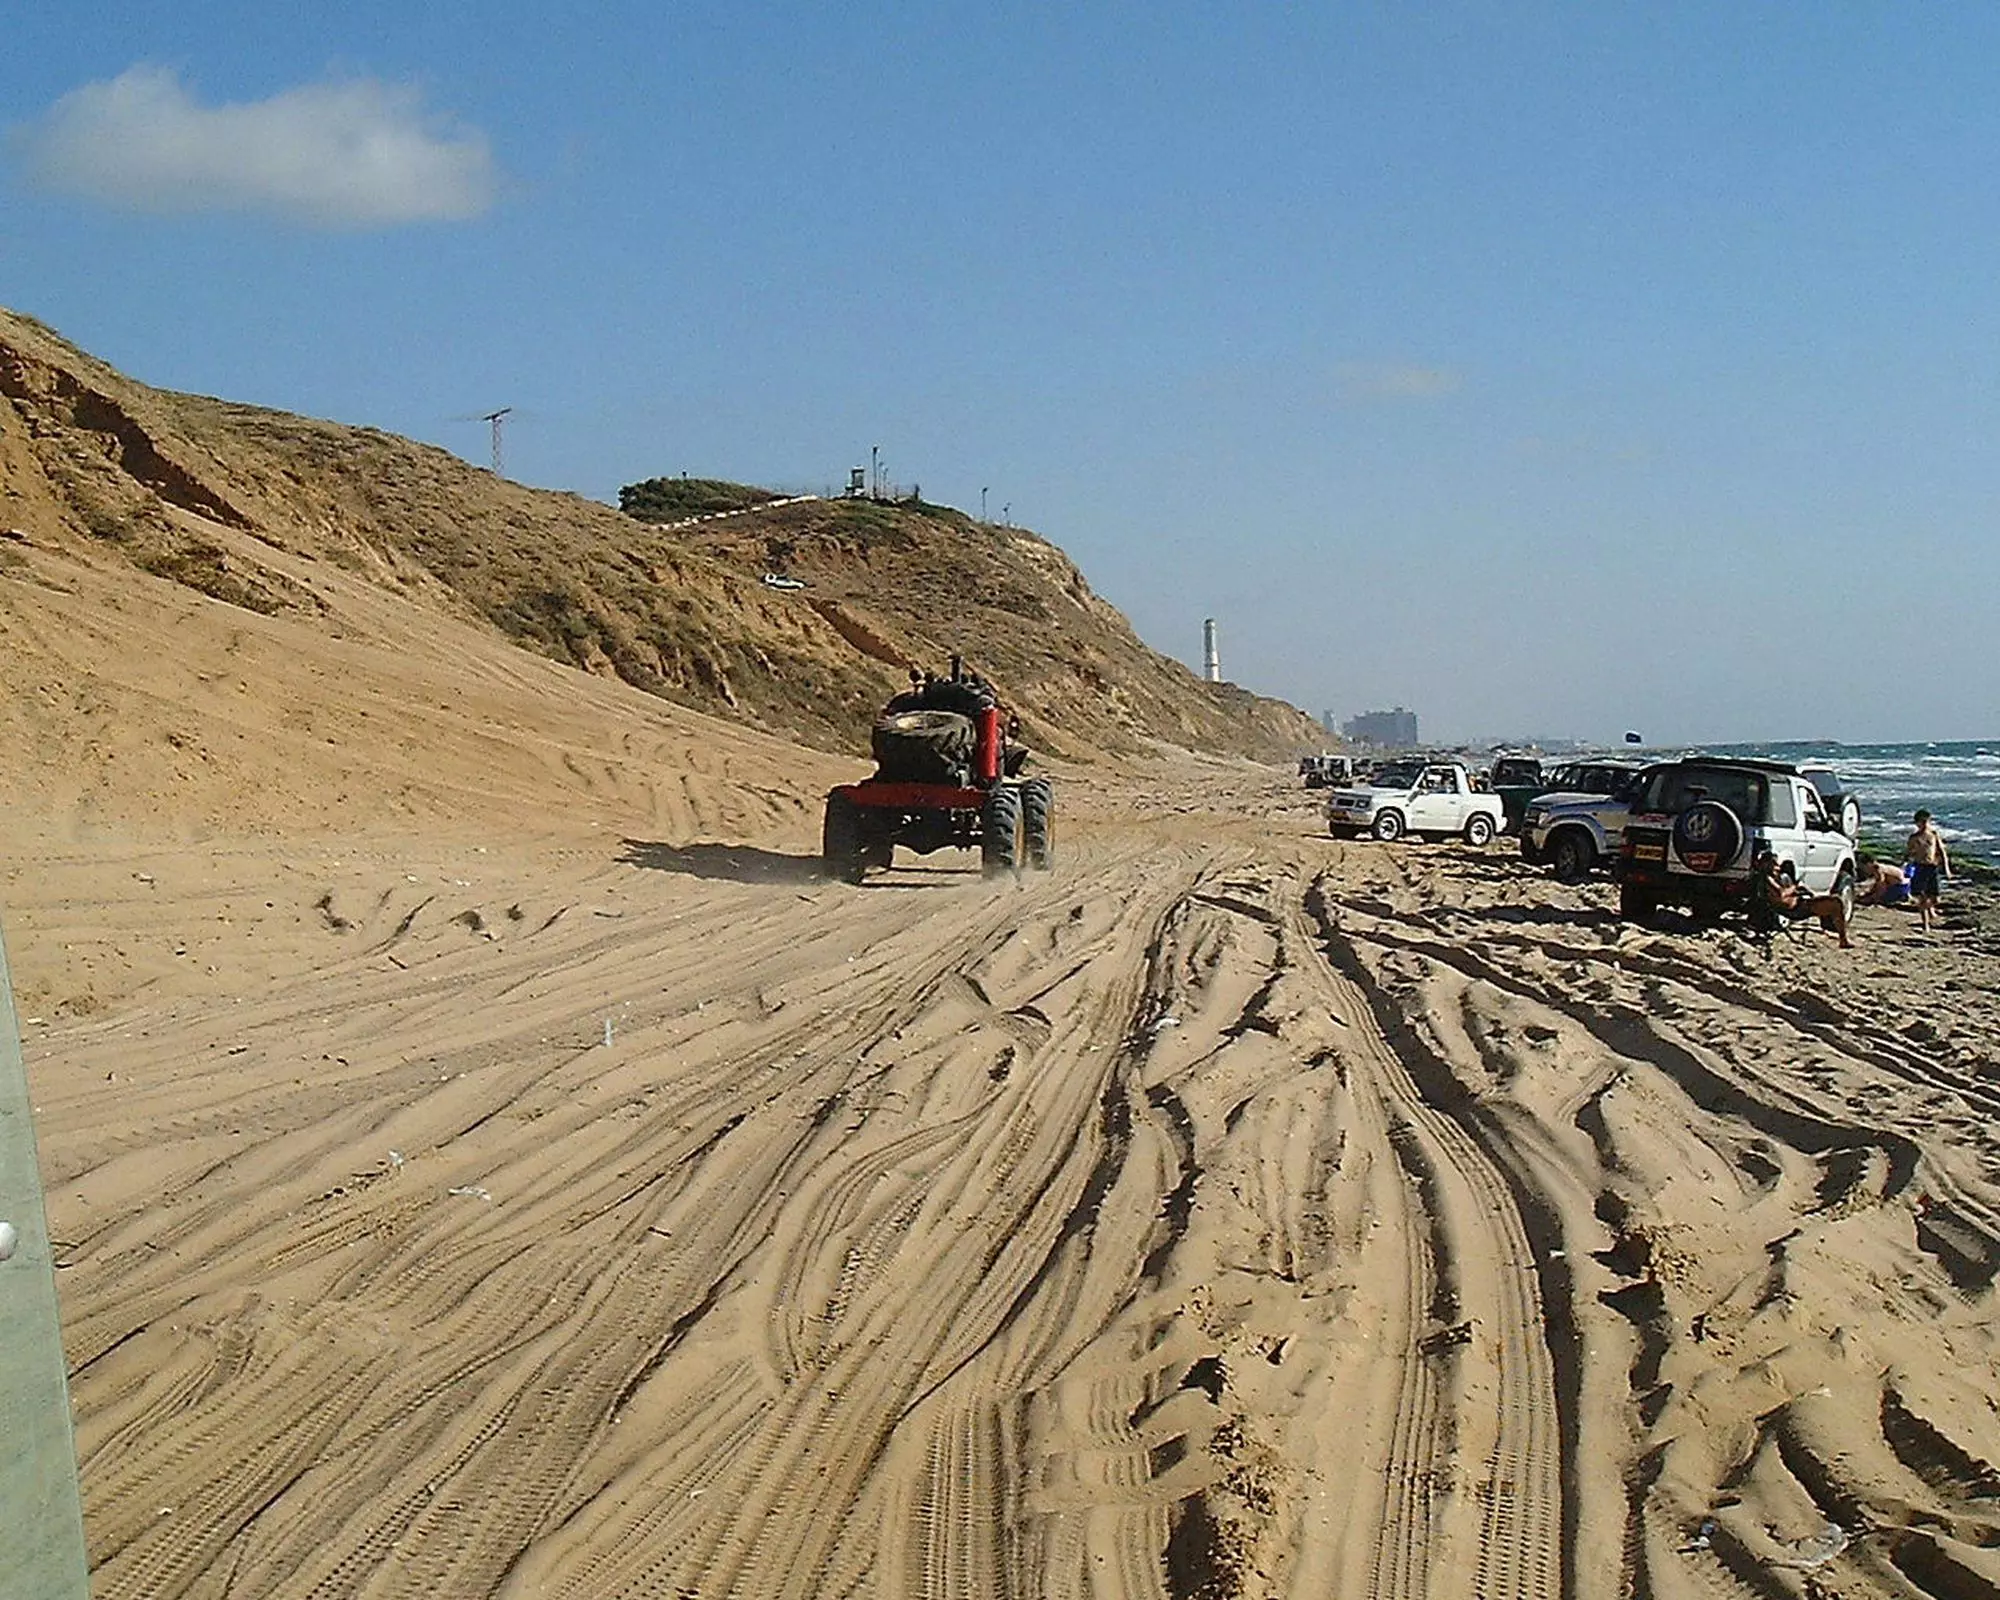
(1932, 861)
(1789, 900)
(1878, 884)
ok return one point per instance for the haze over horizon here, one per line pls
(1552, 367)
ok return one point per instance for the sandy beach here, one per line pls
(486, 1159)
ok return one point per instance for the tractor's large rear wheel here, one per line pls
(843, 853)
(1038, 804)
(1000, 830)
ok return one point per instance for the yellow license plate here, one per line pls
(1649, 852)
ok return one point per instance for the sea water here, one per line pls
(1958, 783)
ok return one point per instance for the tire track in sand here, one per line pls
(895, 1263)
(468, 1353)
(1466, 1234)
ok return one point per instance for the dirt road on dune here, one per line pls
(1230, 1212)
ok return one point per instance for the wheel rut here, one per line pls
(1481, 1263)
(1225, 1214)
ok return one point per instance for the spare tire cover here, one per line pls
(1707, 836)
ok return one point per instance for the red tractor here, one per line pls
(947, 775)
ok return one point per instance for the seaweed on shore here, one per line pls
(1964, 864)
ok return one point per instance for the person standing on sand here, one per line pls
(1926, 852)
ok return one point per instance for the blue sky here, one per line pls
(1547, 368)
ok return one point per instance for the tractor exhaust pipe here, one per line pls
(986, 751)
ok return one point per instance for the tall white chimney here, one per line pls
(1211, 658)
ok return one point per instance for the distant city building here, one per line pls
(1330, 720)
(1395, 730)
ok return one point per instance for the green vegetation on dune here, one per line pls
(676, 499)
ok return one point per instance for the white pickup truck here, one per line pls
(1435, 799)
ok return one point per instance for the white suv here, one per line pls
(1697, 825)
(1430, 799)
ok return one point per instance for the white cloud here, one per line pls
(1367, 380)
(344, 154)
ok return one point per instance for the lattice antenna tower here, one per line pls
(493, 419)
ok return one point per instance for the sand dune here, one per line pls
(256, 508)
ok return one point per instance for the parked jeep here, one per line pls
(1516, 780)
(1579, 825)
(1697, 825)
(1834, 796)
(1324, 772)
(1433, 799)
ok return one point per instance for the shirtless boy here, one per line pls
(1932, 861)
(1879, 883)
